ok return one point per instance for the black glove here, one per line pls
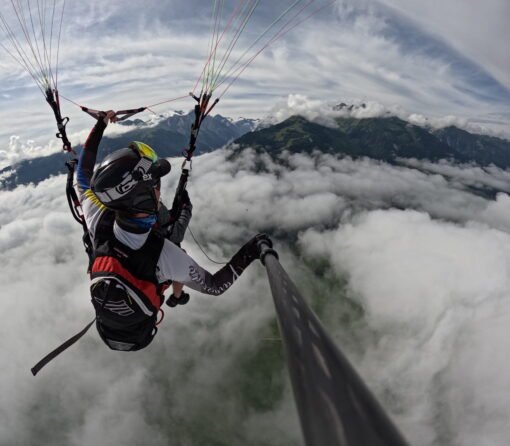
(250, 251)
(185, 201)
(173, 301)
(163, 216)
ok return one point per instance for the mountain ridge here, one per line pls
(387, 139)
(169, 137)
(383, 138)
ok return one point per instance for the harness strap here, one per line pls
(50, 356)
(72, 197)
(54, 102)
(121, 114)
(162, 317)
(75, 207)
(202, 110)
(128, 113)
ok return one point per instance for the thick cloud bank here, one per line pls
(407, 267)
(325, 112)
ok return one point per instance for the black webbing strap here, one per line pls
(54, 102)
(49, 357)
(206, 114)
(128, 113)
(75, 207)
(96, 114)
(121, 114)
(72, 197)
(202, 110)
(177, 203)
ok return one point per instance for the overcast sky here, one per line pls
(435, 59)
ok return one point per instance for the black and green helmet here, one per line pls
(125, 180)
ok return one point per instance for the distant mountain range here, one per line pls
(388, 139)
(169, 137)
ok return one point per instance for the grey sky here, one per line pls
(478, 32)
(435, 59)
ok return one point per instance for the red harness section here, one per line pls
(107, 264)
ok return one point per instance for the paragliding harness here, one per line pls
(124, 289)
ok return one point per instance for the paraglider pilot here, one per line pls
(133, 261)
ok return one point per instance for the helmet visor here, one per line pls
(160, 167)
(144, 150)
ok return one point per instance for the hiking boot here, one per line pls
(173, 301)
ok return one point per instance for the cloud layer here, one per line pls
(407, 268)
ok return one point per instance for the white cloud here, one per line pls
(489, 176)
(428, 290)
(427, 287)
(18, 150)
(44, 294)
(313, 110)
(325, 112)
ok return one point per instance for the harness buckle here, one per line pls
(186, 161)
